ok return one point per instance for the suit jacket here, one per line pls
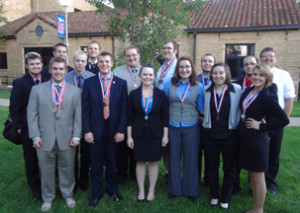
(92, 107)
(69, 77)
(19, 100)
(157, 118)
(46, 74)
(54, 126)
(94, 70)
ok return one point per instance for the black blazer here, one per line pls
(265, 105)
(19, 100)
(94, 70)
(157, 118)
(92, 107)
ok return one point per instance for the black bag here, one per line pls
(10, 134)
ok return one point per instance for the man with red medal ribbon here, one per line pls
(166, 71)
(54, 124)
(130, 73)
(164, 74)
(104, 100)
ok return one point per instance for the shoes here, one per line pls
(37, 195)
(94, 202)
(224, 206)
(46, 206)
(148, 201)
(191, 198)
(170, 196)
(272, 190)
(140, 200)
(214, 203)
(117, 197)
(70, 202)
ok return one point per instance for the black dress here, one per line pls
(147, 133)
(254, 144)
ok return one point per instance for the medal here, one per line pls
(184, 96)
(165, 69)
(218, 107)
(146, 104)
(146, 117)
(243, 117)
(57, 98)
(54, 110)
(160, 81)
(132, 75)
(135, 85)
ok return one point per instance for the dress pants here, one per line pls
(65, 167)
(274, 153)
(31, 162)
(229, 149)
(83, 178)
(100, 150)
(200, 156)
(184, 143)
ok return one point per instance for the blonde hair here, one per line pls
(266, 70)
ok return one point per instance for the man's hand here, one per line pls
(89, 137)
(119, 137)
(37, 143)
(74, 142)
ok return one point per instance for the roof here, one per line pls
(83, 23)
(215, 16)
(246, 15)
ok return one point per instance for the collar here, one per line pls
(38, 78)
(91, 62)
(108, 76)
(180, 82)
(230, 87)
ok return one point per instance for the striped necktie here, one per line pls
(105, 101)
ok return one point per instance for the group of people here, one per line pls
(126, 117)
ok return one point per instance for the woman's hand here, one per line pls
(252, 124)
(164, 141)
(130, 142)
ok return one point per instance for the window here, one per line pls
(234, 55)
(3, 60)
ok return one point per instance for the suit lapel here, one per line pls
(47, 88)
(98, 89)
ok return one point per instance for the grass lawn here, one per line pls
(296, 110)
(15, 195)
(5, 94)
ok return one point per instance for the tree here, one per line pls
(3, 19)
(147, 23)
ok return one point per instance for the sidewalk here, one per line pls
(294, 121)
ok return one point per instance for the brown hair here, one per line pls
(175, 45)
(266, 70)
(176, 75)
(59, 44)
(94, 42)
(266, 49)
(227, 72)
(147, 66)
(132, 47)
(32, 55)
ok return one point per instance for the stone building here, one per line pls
(228, 29)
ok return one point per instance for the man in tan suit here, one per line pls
(54, 123)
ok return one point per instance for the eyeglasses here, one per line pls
(268, 55)
(249, 64)
(32, 53)
(186, 67)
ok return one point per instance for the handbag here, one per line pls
(9, 133)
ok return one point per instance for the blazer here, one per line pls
(234, 114)
(54, 126)
(19, 100)
(92, 107)
(157, 118)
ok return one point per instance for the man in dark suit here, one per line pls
(54, 124)
(18, 109)
(104, 100)
(93, 50)
(59, 50)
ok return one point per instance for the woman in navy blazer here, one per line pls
(147, 129)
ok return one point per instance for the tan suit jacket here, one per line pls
(61, 125)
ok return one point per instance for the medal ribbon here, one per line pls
(186, 91)
(218, 107)
(54, 93)
(165, 70)
(134, 78)
(203, 83)
(105, 94)
(146, 105)
(249, 100)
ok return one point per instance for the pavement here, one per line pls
(294, 121)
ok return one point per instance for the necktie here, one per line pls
(105, 101)
(79, 81)
(206, 81)
(37, 82)
(58, 87)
